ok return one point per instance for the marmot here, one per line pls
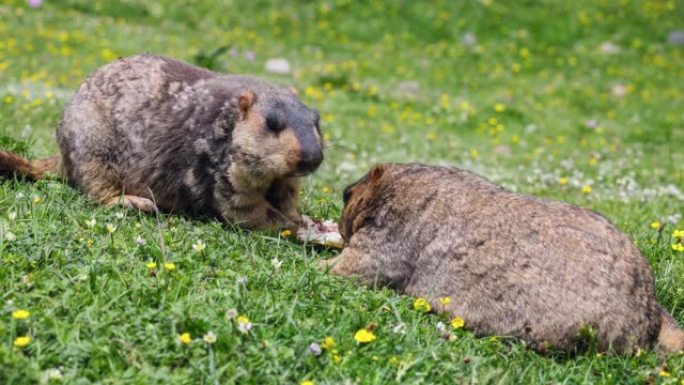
(512, 264)
(147, 128)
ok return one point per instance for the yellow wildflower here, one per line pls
(664, 373)
(151, 265)
(678, 247)
(170, 266)
(444, 301)
(21, 342)
(285, 233)
(328, 343)
(678, 233)
(37, 199)
(586, 189)
(185, 338)
(20, 314)
(474, 154)
(499, 107)
(422, 305)
(656, 225)
(563, 181)
(457, 323)
(336, 358)
(307, 382)
(364, 336)
(325, 189)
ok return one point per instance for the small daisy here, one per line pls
(209, 338)
(199, 246)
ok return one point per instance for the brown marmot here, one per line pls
(512, 264)
(147, 128)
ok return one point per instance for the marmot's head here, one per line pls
(275, 134)
(359, 199)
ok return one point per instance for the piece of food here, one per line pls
(320, 232)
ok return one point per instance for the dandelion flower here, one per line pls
(656, 225)
(151, 265)
(169, 266)
(328, 343)
(20, 314)
(185, 338)
(364, 336)
(199, 246)
(586, 189)
(444, 301)
(422, 305)
(664, 373)
(678, 233)
(111, 228)
(231, 313)
(678, 247)
(244, 325)
(21, 342)
(306, 382)
(209, 338)
(457, 323)
(563, 181)
(285, 233)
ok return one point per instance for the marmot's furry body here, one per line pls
(148, 128)
(512, 264)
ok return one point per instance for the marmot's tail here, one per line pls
(13, 165)
(671, 337)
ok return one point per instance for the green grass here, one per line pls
(99, 314)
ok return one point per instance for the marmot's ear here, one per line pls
(244, 102)
(376, 172)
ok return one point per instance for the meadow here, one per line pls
(580, 101)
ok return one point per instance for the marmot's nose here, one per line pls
(310, 161)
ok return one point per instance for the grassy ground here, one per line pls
(580, 101)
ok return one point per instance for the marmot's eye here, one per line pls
(273, 124)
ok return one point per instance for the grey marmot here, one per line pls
(147, 128)
(513, 265)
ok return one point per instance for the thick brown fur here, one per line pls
(513, 265)
(13, 165)
(148, 128)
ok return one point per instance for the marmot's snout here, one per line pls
(311, 159)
